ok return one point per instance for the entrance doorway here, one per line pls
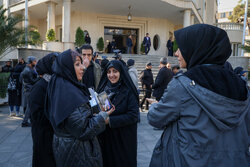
(120, 35)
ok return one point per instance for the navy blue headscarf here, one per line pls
(44, 65)
(65, 93)
(205, 49)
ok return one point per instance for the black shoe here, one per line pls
(26, 124)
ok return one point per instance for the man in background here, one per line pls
(7, 67)
(147, 43)
(129, 44)
(146, 78)
(28, 78)
(93, 73)
(163, 78)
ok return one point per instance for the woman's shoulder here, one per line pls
(175, 84)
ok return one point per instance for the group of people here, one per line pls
(65, 129)
(157, 87)
(205, 111)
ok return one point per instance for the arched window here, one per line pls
(156, 42)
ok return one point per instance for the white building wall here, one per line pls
(94, 23)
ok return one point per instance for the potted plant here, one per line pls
(51, 35)
(52, 44)
(175, 46)
(79, 37)
(100, 44)
(142, 48)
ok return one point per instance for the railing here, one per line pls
(230, 26)
(13, 2)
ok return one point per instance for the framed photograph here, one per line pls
(100, 101)
(104, 101)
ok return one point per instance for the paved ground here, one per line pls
(16, 142)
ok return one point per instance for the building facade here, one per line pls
(109, 19)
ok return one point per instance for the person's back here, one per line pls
(208, 134)
(29, 77)
(163, 78)
(134, 76)
(206, 110)
(147, 78)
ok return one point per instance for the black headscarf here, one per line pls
(205, 49)
(44, 65)
(65, 93)
(124, 79)
(203, 44)
(228, 66)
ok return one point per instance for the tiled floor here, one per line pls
(16, 142)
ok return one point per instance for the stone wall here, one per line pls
(24, 53)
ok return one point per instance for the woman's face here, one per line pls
(78, 68)
(113, 75)
(181, 60)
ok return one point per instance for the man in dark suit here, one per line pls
(147, 43)
(129, 44)
(170, 47)
(163, 78)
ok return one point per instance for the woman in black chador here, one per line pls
(75, 127)
(119, 140)
(41, 129)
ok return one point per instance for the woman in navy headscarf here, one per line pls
(119, 140)
(205, 111)
(75, 126)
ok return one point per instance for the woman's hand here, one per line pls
(151, 101)
(111, 110)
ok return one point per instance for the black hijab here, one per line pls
(124, 79)
(44, 65)
(205, 49)
(65, 93)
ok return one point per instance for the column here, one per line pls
(23, 14)
(192, 20)
(51, 16)
(187, 18)
(66, 10)
(6, 5)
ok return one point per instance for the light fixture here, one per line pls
(129, 14)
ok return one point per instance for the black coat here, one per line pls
(129, 42)
(42, 131)
(14, 90)
(170, 48)
(147, 78)
(75, 143)
(119, 140)
(15, 96)
(161, 82)
(88, 40)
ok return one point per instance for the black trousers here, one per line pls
(147, 94)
